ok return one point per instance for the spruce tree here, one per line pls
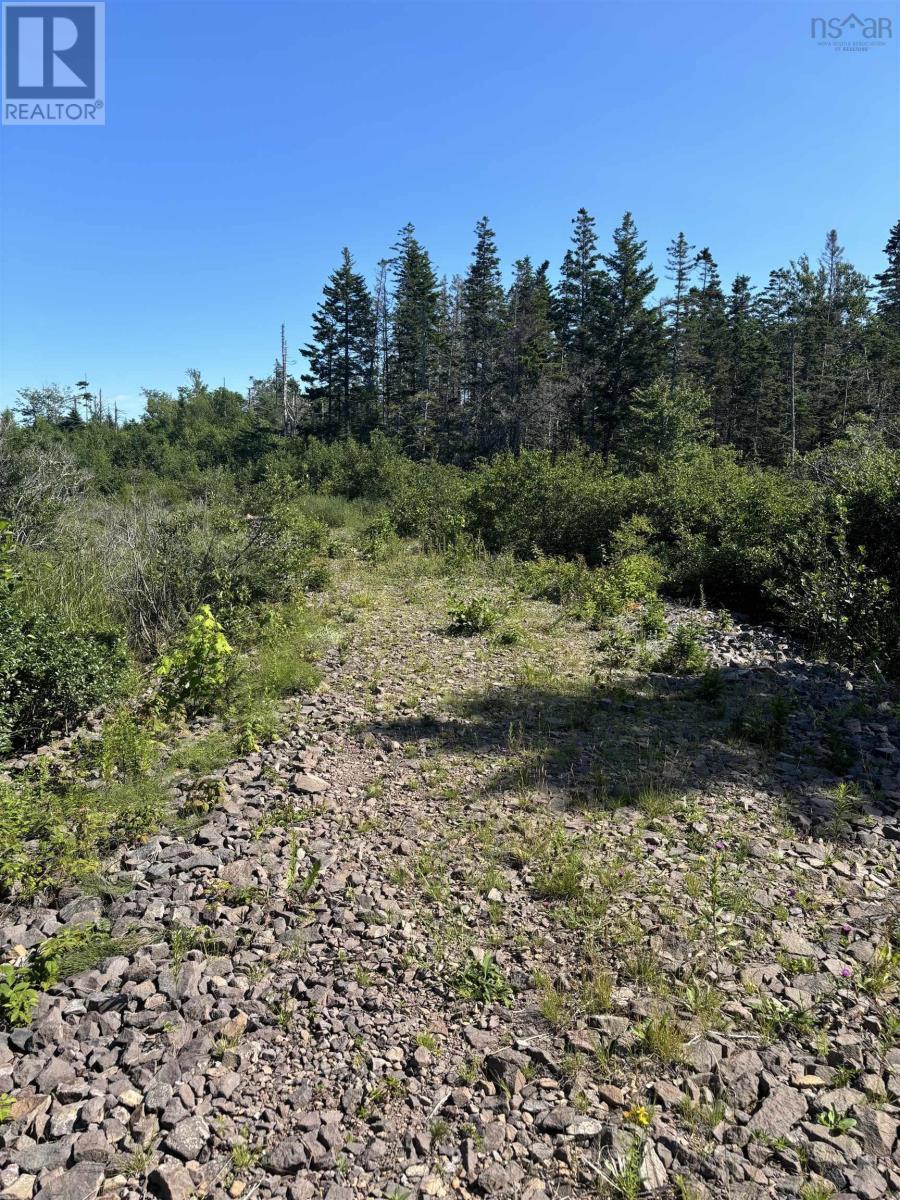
(577, 315)
(482, 320)
(706, 336)
(631, 334)
(888, 283)
(414, 341)
(745, 357)
(679, 269)
(528, 358)
(341, 353)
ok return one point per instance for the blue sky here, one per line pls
(247, 142)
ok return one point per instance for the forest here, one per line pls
(751, 437)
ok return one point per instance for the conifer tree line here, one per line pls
(468, 366)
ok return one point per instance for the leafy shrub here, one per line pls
(482, 980)
(684, 653)
(379, 541)
(127, 748)
(52, 831)
(51, 674)
(196, 673)
(18, 999)
(828, 593)
(165, 565)
(476, 614)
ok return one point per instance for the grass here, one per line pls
(210, 752)
(662, 1038)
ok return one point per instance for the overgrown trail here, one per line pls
(497, 918)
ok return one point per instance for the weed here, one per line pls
(554, 1004)
(476, 614)
(482, 980)
(18, 999)
(834, 1122)
(845, 803)
(244, 1155)
(621, 1177)
(204, 755)
(661, 1037)
(882, 973)
(815, 1190)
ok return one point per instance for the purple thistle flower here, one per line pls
(720, 845)
(846, 972)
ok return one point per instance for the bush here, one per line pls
(163, 565)
(474, 615)
(195, 675)
(52, 831)
(52, 674)
(684, 654)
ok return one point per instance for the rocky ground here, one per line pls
(497, 917)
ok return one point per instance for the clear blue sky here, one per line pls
(246, 143)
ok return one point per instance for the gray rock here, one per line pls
(494, 1181)
(866, 1183)
(778, 1113)
(171, 1183)
(506, 1067)
(287, 1157)
(188, 1139)
(558, 1120)
(310, 784)
(81, 1182)
(877, 1130)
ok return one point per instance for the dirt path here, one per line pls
(497, 918)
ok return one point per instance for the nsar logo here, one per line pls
(851, 32)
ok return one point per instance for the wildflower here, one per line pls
(846, 972)
(846, 929)
(720, 845)
(639, 1115)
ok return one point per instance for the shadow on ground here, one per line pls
(604, 744)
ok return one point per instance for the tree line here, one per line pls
(466, 367)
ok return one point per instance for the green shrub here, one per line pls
(52, 675)
(54, 830)
(684, 654)
(379, 541)
(18, 999)
(196, 673)
(476, 614)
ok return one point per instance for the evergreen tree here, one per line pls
(679, 269)
(450, 435)
(665, 424)
(706, 336)
(528, 357)
(577, 315)
(482, 321)
(883, 344)
(888, 282)
(745, 358)
(631, 333)
(341, 353)
(414, 342)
